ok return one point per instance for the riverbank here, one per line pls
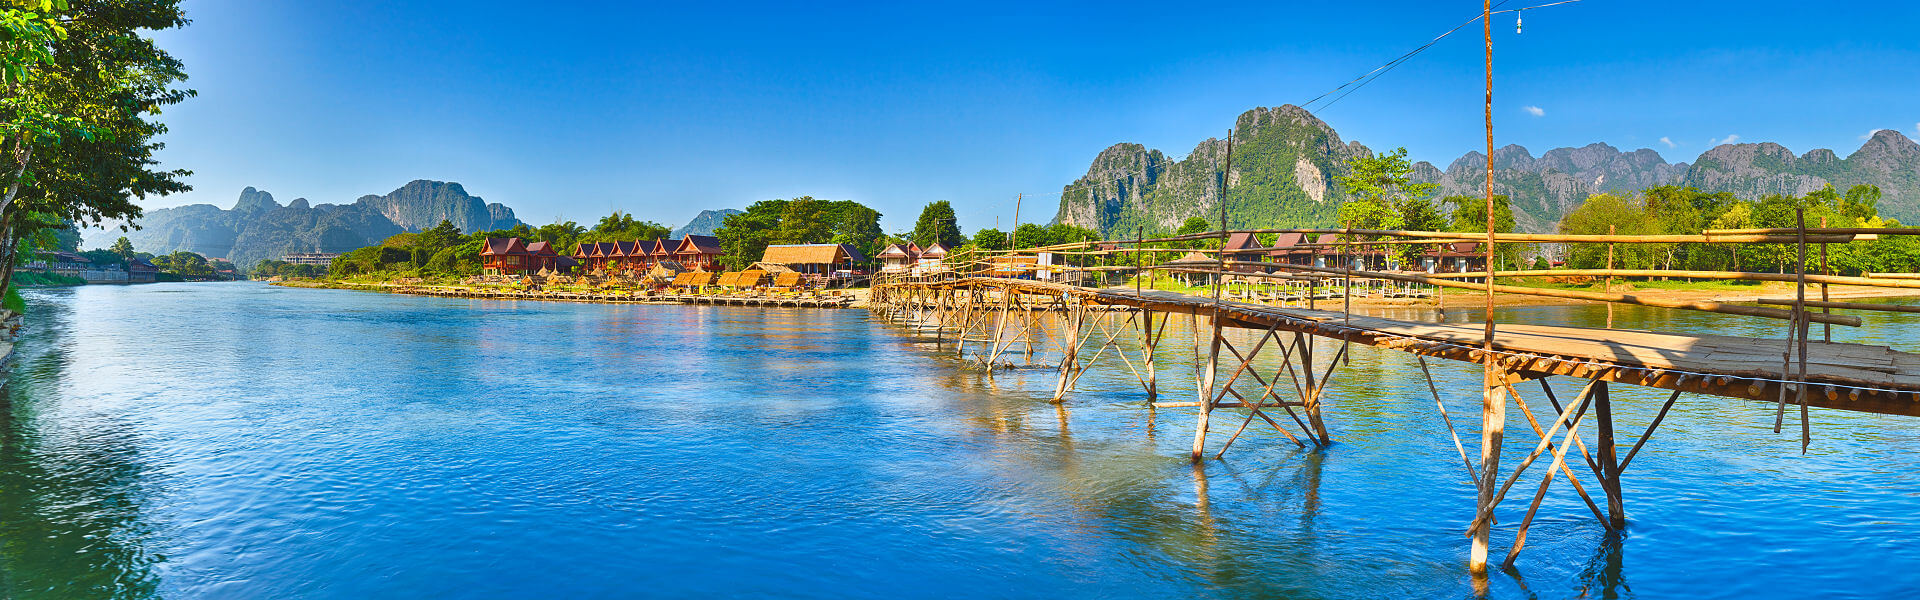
(850, 298)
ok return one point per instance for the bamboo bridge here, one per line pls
(988, 306)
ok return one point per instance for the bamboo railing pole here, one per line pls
(1800, 307)
(1878, 280)
(1900, 308)
(1713, 307)
(1827, 332)
(1609, 289)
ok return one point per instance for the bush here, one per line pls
(14, 302)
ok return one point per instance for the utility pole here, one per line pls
(1016, 219)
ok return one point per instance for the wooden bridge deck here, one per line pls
(1844, 376)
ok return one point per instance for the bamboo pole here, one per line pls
(1875, 281)
(1781, 237)
(1901, 308)
(1800, 307)
(1713, 307)
(1609, 289)
(1827, 328)
(1609, 464)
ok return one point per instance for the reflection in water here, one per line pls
(184, 440)
(73, 488)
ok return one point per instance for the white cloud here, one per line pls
(1668, 141)
(1731, 138)
(1535, 111)
(1868, 135)
(1916, 127)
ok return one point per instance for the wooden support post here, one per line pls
(1609, 462)
(1070, 352)
(1800, 306)
(1146, 328)
(1493, 423)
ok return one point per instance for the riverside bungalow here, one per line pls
(507, 256)
(583, 255)
(1457, 257)
(700, 252)
(1244, 247)
(896, 258)
(933, 258)
(141, 271)
(544, 258)
(816, 260)
(1287, 250)
(663, 251)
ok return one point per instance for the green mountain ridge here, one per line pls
(1285, 161)
(258, 228)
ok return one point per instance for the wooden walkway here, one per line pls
(1857, 377)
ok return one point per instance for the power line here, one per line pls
(1380, 71)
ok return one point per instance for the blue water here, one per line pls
(245, 441)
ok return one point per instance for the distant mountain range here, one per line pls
(705, 222)
(1285, 160)
(258, 228)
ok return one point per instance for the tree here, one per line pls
(123, 248)
(1601, 214)
(1381, 194)
(990, 239)
(82, 86)
(744, 236)
(617, 227)
(444, 235)
(938, 225)
(804, 221)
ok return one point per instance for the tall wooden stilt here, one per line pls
(1493, 423)
(1608, 449)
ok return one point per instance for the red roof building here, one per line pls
(699, 252)
(507, 256)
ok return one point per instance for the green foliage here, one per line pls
(938, 225)
(617, 227)
(82, 84)
(185, 264)
(14, 302)
(1385, 179)
(1677, 210)
(285, 270)
(104, 258)
(745, 236)
(122, 248)
(990, 239)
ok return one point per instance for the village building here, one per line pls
(933, 259)
(1288, 249)
(141, 271)
(699, 252)
(311, 258)
(896, 258)
(1457, 257)
(507, 256)
(817, 261)
(1244, 247)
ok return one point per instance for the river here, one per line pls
(244, 441)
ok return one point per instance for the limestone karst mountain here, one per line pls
(259, 228)
(1285, 160)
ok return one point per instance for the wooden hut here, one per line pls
(507, 256)
(896, 258)
(699, 252)
(816, 260)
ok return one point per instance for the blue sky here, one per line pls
(665, 109)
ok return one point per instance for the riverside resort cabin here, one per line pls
(911, 258)
(514, 256)
(815, 261)
(699, 252)
(896, 258)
